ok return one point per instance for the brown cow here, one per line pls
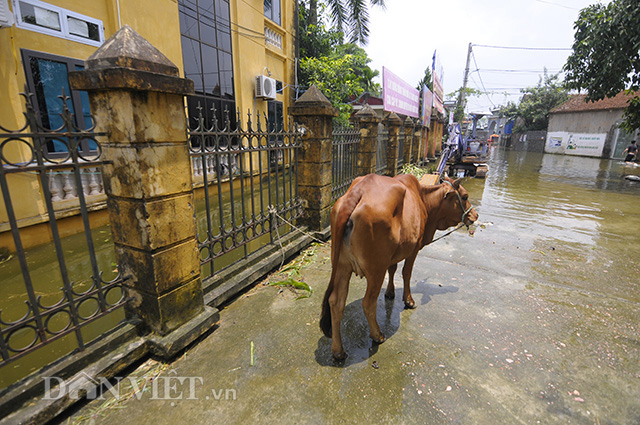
(379, 222)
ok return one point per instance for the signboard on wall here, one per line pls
(398, 96)
(438, 89)
(581, 144)
(427, 105)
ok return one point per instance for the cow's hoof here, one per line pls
(379, 340)
(409, 305)
(339, 357)
(390, 295)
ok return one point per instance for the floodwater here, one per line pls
(534, 319)
(577, 217)
(47, 281)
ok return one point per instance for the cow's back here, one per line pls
(384, 226)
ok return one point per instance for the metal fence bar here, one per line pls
(345, 141)
(400, 152)
(33, 141)
(381, 155)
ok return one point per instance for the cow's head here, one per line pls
(455, 206)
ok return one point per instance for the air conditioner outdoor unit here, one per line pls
(265, 87)
(6, 17)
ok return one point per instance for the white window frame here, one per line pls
(63, 15)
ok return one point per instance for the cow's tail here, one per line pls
(342, 222)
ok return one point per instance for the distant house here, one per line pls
(579, 127)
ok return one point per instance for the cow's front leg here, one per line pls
(406, 277)
(370, 305)
(391, 289)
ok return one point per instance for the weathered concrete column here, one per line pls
(438, 136)
(367, 121)
(137, 97)
(393, 124)
(408, 140)
(431, 140)
(314, 112)
(417, 143)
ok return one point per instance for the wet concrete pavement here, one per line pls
(520, 324)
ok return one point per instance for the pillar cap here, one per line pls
(313, 102)
(128, 61)
(366, 113)
(408, 121)
(394, 119)
(128, 49)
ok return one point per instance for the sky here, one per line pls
(403, 38)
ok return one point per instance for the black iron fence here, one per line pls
(400, 152)
(62, 300)
(248, 185)
(381, 152)
(344, 165)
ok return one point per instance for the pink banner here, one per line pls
(438, 94)
(427, 104)
(398, 96)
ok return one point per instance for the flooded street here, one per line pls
(572, 221)
(532, 320)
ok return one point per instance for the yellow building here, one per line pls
(225, 46)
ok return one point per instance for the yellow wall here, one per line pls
(251, 54)
(158, 22)
(143, 16)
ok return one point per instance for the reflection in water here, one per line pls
(44, 272)
(579, 209)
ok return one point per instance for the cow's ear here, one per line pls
(456, 183)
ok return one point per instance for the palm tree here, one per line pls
(349, 16)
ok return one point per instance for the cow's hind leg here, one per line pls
(391, 289)
(406, 277)
(370, 304)
(337, 301)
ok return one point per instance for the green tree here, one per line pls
(315, 39)
(350, 17)
(508, 111)
(538, 101)
(341, 76)
(427, 79)
(340, 71)
(458, 112)
(606, 54)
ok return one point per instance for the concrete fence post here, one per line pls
(137, 98)
(393, 124)
(431, 140)
(417, 143)
(439, 132)
(367, 121)
(314, 112)
(408, 140)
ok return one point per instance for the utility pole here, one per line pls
(462, 99)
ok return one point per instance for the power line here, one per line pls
(524, 71)
(522, 48)
(558, 4)
(481, 82)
